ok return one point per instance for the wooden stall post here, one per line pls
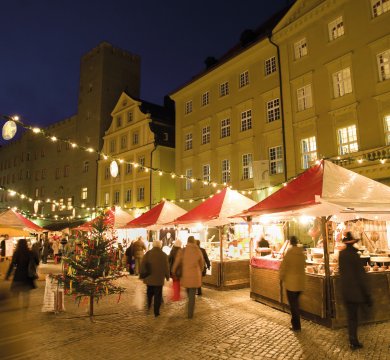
(324, 234)
(220, 255)
(249, 221)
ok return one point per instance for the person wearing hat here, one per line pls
(154, 269)
(292, 274)
(353, 287)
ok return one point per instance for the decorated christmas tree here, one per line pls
(91, 270)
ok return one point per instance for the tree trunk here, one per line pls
(91, 306)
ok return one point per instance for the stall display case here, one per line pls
(322, 300)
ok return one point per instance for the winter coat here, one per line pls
(172, 257)
(56, 247)
(353, 278)
(155, 265)
(129, 254)
(192, 262)
(20, 262)
(139, 248)
(292, 269)
(46, 248)
(206, 260)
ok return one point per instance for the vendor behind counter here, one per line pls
(263, 248)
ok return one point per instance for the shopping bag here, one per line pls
(139, 296)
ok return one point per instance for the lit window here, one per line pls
(129, 169)
(206, 134)
(140, 193)
(225, 128)
(141, 162)
(135, 138)
(188, 142)
(270, 65)
(246, 120)
(387, 129)
(304, 98)
(112, 146)
(224, 89)
(275, 160)
(128, 196)
(342, 83)
(123, 142)
(379, 7)
(53, 207)
(247, 171)
(205, 98)
(188, 107)
(129, 116)
(116, 197)
(273, 110)
(69, 202)
(206, 172)
(347, 139)
(336, 28)
(244, 79)
(86, 166)
(188, 179)
(225, 171)
(384, 64)
(308, 152)
(300, 48)
(84, 193)
(106, 198)
(61, 202)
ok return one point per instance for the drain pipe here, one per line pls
(281, 107)
(151, 174)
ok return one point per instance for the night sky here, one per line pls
(42, 42)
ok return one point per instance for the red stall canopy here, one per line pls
(156, 217)
(116, 217)
(13, 219)
(217, 210)
(327, 189)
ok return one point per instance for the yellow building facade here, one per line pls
(335, 70)
(332, 61)
(140, 137)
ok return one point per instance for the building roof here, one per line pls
(248, 39)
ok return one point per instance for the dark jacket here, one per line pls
(155, 266)
(129, 253)
(172, 256)
(353, 278)
(292, 269)
(206, 261)
(20, 262)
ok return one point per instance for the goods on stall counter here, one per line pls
(53, 299)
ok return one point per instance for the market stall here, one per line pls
(155, 220)
(228, 247)
(331, 200)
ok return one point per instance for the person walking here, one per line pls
(56, 250)
(292, 274)
(176, 249)
(24, 263)
(191, 262)
(139, 249)
(206, 264)
(154, 269)
(129, 258)
(45, 251)
(354, 287)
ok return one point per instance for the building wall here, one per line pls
(136, 178)
(364, 37)
(105, 72)
(256, 140)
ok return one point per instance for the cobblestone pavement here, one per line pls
(226, 325)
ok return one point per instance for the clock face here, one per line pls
(9, 130)
(114, 168)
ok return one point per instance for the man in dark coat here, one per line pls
(354, 287)
(154, 269)
(129, 258)
(206, 264)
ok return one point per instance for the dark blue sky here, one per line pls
(42, 41)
